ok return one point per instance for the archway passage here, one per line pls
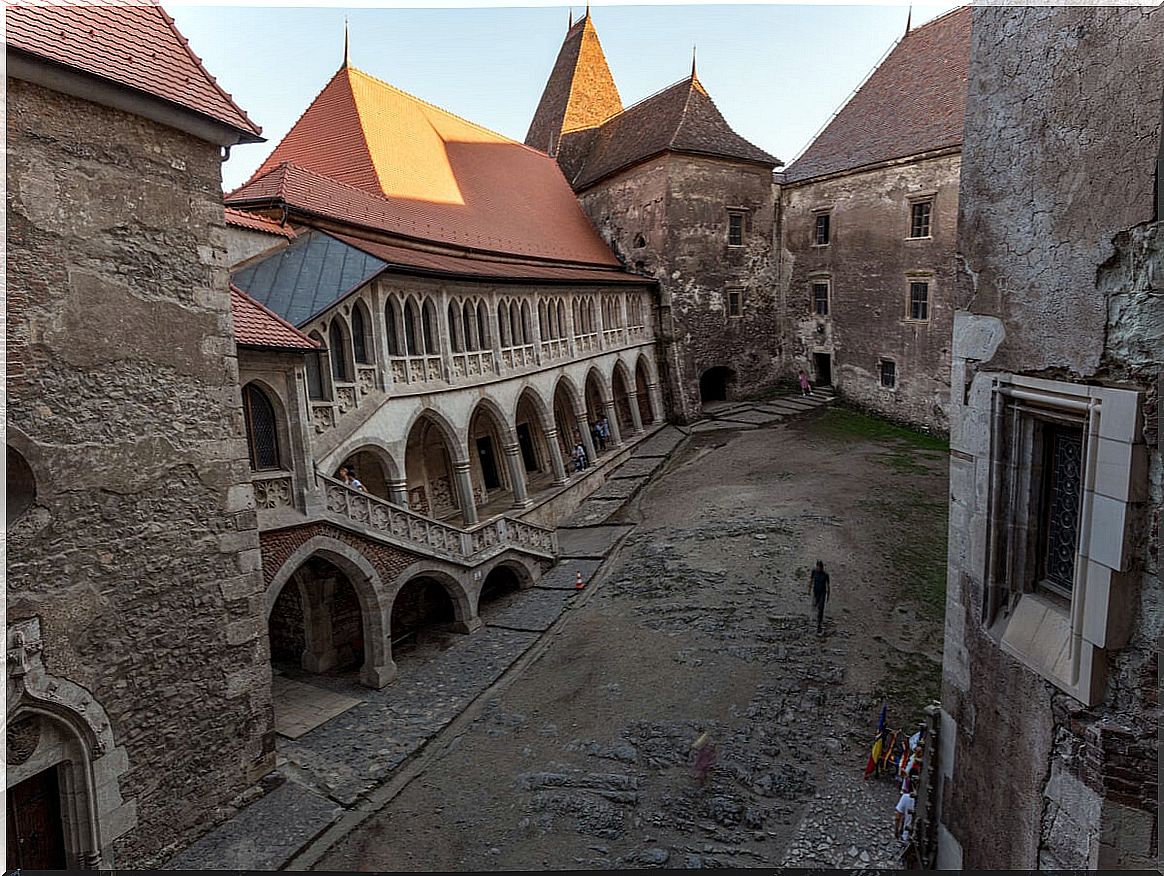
(499, 584)
(428, 467)
(423, 615)
(596, 410)
(566, 422)
(371, 469)
(21, 486)
(622, 405)
(715, 384)
(316, 624)
(643, 388)
(535, 448)
(492, 482)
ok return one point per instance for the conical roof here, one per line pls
(580, 92)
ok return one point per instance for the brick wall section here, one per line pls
(279, 545)
(140, 555)
(679, 204)
(867, 261)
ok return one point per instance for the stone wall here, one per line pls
(1060, 290)
(868, 263)
(668, 218)
(140, 555)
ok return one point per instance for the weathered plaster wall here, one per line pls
(140, 554)
(679, 204)
(1062, 282)
(868, 263)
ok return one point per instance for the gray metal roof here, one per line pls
(306, 278)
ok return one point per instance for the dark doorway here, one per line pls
(500, 582)
(36, 838)
(525, 441)
(822, 363)
(714, 384)
(422, 609)
(488, 464)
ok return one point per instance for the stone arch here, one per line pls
(469, 326)
(456, 337)
(597, 393)
(393, 321)
(316, 382)
(489, 433)
(463, 604)
(430, 328)
(374, 466)
(363, 347)
(716, 384)
(526, 325)
(503, 336)
(413, 333)
(521, 577)
(643, 382)
(484, 338)
(378, 668)
(566, 403)
(620, 389)
(20, 484)
(432, 452)
(55, 724)
(339, 342)
(281, 424)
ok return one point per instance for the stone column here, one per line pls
(398, 492)
(516, 466)
(465, 491)
(632, 399)
(584, 430)
(656, 402)
(561, 476)
(319, 654)
(377, 677)
(612, 418)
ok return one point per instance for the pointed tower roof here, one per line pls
(580, 92)
(370, 155)
(681, 118)
(912, 103)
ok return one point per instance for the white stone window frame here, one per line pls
(912, 198)
(1064, 641)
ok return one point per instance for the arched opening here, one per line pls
(361, 337)
(262, 429)
(642, 387)
(21, 489)
(526, 326)
(469, 326)
(566, 422)
(530, 427)
(411, 327)
(428, 470)
(370, 467)
(490, 479)
(596, 411)
(561, 328)
(716, 384)
(483, 326)
(338, 350)
(498, 586)
(423, 615)
(503, 335)
(431, 337)
(315, 388)
(515, 325)
(455, 328)
(316, 624)
(622, 404)
(391, 307)
(543, 324)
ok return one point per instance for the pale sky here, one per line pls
(777, 72)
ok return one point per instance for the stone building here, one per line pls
(135, 703)
(868, 219)
(682, 198)
(466, 329)
(1050, 712)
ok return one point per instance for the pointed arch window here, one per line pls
(503, 324)
(339, 361)
(393, 328)
(482, 326)
(469, 325)
(359, 336)
(314, 370)
(262, 429)
(454, 327)
(430, 332)
(410, 319)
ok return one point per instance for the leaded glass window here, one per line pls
(339, 362)
(1062, 476)
(262, 433)
(359, 342)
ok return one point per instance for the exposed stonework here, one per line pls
(139, 553)
(1062, 266)
(868, 265)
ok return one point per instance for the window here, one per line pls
(919, 300)
(1059, 514)
(359, 341)
(820, 297)
(735, 228)
(919, 218)
(262, 434)
(390, 321)
(821, 232)
(735, 302)
(429, 328)
(339, 362)
(888, 373)
(410, 319)
(315, 371)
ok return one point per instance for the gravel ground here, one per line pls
(700, 623)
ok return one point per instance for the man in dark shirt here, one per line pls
(820, 594)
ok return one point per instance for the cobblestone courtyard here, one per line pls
(699, 621)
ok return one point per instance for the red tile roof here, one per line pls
(912, 103)
(136, 46)
(256, 326)
(252, 222)
(580, 92)
(367, 153)
(423, 262)
(681, 118)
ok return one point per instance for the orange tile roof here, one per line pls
(251, 222)
(368, 153)
(912, 103)
(256, 326)
(136, 46)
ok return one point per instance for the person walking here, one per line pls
(820, 594)
(805, 386)
(596, 434)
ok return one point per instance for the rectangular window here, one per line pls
(888, 373)
(1059, 515)
(735, 302)
(919, 300)
(820, 297)
(735, 228)
(821, 231)
(919, 218)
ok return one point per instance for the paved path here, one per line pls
(328, 777)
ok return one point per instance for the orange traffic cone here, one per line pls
(579, 583)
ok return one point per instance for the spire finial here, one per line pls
(908, 18)
(587, 10)
(570, 19)
(693, 62)
(345, 41)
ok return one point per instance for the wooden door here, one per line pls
(36, 839)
